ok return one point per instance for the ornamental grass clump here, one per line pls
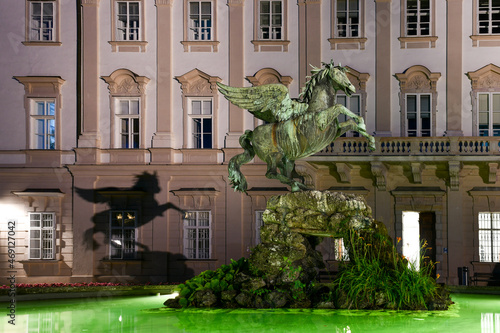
(377, 276)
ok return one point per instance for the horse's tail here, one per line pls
(238, 181)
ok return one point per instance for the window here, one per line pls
(489, 114)
(347, 18)
(200, 117)
(353, 104)
(197, 235)
(200, 34)
(488, 17)
(127, 23)
(127, 26)
(270, 20)
(128, 128)
(418, 20)
(418, 114)
(200, 20)
(122, 237)
(489, 237)
(418, 101)
(42, 235)
(259, 222)
(43, 124)
(41, 22)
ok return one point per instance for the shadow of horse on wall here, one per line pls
(138, 202)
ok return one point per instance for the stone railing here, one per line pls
(391, 146)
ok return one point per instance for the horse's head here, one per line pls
(339, 79)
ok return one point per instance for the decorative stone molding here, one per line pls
(125, 82)
(164, 2)
(268, 76)
(380, 172)
(417, 80)
(198, 83)
(454, 168)
(199, 198)
(90, 2)
(344, 171)
(235, 2)
(485, 79)
(416, 170)
(304, 172)
(492, 177)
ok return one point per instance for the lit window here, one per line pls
(43, 124)
(347, 18)
(418, 114)
(200, 20)
(353, 104)
(200, 117)
(41, 21)
(489, 114)
(488, 17)
(197, 235)
(127, 113)
(418, 18)
(271, 20)
(123, 226)
(259, 222)
(128, 23)
(41, 235)
(489, 237)
(340, 251)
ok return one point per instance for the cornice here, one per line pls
(90, 2)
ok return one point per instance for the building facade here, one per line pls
(115, 140)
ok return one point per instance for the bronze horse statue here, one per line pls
(295, 128)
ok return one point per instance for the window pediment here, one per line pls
(125, 82)
(418, 78)
(486, 77)
(198, 83)
(269, 76)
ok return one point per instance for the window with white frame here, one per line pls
(353, 103)
(200, 20)
(128, 122)
(200, 119)
(418, 18)
(270, 20)
(123, 233)
(42, 21)
(42, 235)
(489, 114)
(197, 234)
(347, 16)
(259, 222)
(128, 25)
(488, 17)
(418, 115)
(43, 124)
(489, 237)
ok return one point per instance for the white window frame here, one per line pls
(348, 27)
(196, 139)
(489, 236)
(133, 121)
(37, 33)
(122, 247)
(200, 28)
(274, 30)
(419, 13)
(418, 113)
(127, 32)
(43, 137)
(46, 238)
(196, 247)
(259, 222)
(489, 10)
(347, 102)
(491, 114)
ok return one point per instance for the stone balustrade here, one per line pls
(392, 146)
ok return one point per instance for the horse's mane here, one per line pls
(317, 74)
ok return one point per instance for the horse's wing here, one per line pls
(270, 102)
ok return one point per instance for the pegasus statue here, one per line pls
(294, 128)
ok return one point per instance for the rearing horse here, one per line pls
(297, 128)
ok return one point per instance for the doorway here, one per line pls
(419, 228)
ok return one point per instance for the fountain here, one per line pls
(282, 271)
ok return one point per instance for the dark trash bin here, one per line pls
(463, 276)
